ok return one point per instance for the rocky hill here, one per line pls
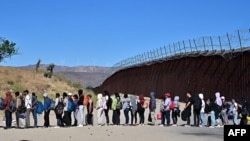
(87, 76)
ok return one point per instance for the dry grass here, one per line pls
(19, 79)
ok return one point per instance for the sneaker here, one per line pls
(80, 125)
(211, 126)
(174, 125)
(187, 126)
(218, 126)
(57, 127)
(161, 125)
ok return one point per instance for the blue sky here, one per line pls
(104, 32)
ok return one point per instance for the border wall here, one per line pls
(208, 70)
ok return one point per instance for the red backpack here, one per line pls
(171, 106)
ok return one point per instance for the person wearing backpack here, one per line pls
(46, 104)
(58, 110)
(8, 112)
(34, 107)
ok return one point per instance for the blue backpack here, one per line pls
(1, 104)
(40, 107)
(71, 106)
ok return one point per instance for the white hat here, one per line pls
(69, 94)
(222, 97)
(45, 95)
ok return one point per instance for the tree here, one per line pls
(7, 49)
(49, 72)
(38, 65)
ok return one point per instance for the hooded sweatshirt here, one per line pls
(201, 96)
(133, 103)
(99, 101)
(218, 100)
(176, 102)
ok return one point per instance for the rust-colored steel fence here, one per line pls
(204, 65)
(200, 74)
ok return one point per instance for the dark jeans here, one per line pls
(196, 113)
(34, 117)
(126, 115)
(17, 119)
(175, 116)
(8, 119)
(142, 117)
(59, 119)
(116, 117)
(165, 115)
(46, 118)
(106, 111)
(133, 116)
(188, 116)
(66, 118)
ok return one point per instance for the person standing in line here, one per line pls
(152, 107)
(81, 108)
(8, 112)
(58, 102)
(76, 109)
(167, 107)
(202, 111)
(66, 119)
(18, 104)
(99, 109)
(90, 110)
(125, 107)
(176, 110)
(28, 105)
(116, 109)
(235, 112)
(224, 115)
(108, 101)
(47, 102)
(34, 107)
(133, 109)
(188, 107)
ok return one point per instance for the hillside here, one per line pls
(19, 79)
(85, 75)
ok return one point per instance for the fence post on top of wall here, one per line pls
(220, 44)
(195, 45)
(190, 45)
(240, 40)
(229, 43)
(184, 47)
(203, 40)
(211, 40)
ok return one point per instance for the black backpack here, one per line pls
(59, 108)
(21, 108)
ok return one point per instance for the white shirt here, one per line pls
(28, 102)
